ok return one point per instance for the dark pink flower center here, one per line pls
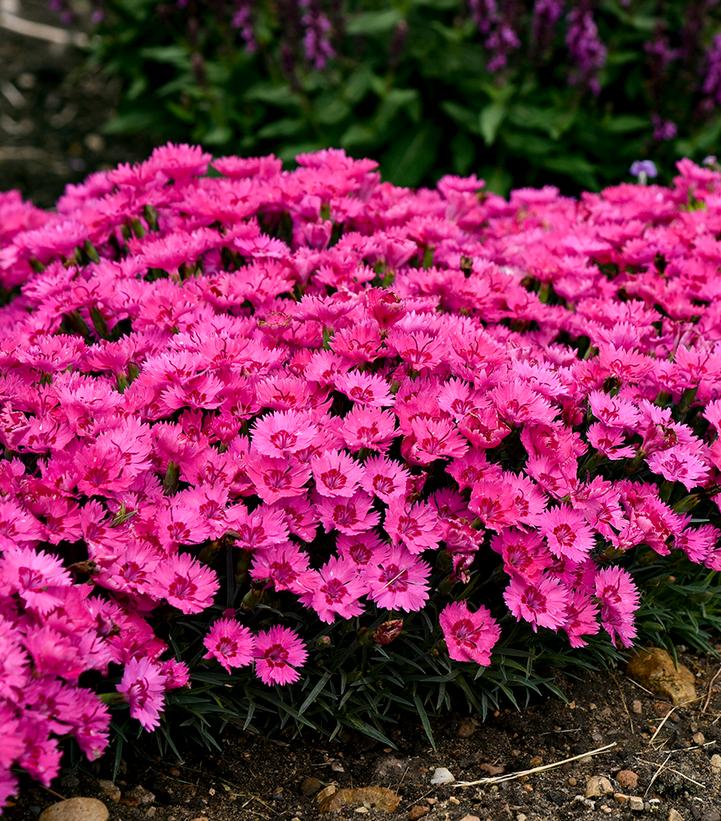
(333, 479)
(276, 656)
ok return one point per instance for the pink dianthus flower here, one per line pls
(470, 636)
(278, 655)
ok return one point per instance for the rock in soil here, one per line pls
(138, 795)
(378, 798)
(310, 786)
(441, 776)
(655, 669)
(76, 809)
(418, 811)
(111, 790)
(598, 785)
(627, 779)
(466, 727)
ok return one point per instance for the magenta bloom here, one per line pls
(398, 580)
(278, 655)
(185, 583)
(542, 603)
(469, 636)
(336, 474)
(618, 596)
(417, 527)
(229, 643)
(283, 433)
(34, 576)
(567, 533)
(143, 685)
(338, 590)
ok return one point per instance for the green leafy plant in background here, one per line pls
(519, 93)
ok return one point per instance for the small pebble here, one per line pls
(627, 779)
(598, 785)
(361, 810)
(26, 80)
(418, 811)
(716, 762)
(521, 817)
(94, 142)
(454, 800)
(442, 776)
(572, 781)
(636, 706)
(139, 795)
(466, 728)
(470, 818)
(698, 738)
(674, 815)
(112, 791)
(635, 803)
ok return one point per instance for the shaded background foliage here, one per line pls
(521, 92)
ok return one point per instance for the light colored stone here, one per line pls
(698, 738)
(635, 803)
(598, 785)
(418, 811)
(442, 776)
(674, 815)
(325, 793)
(470, 818)
(636, 706)
(655, 669)
(76, 809)
(716, 763)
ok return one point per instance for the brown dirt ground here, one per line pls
(669, 750)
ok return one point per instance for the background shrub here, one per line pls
(521, 93)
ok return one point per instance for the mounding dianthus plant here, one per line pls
(307, 447)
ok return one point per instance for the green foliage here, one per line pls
(409, 86)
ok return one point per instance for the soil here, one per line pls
(668, 754)
(52, 110)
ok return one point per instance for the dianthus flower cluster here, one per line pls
(319, 390)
